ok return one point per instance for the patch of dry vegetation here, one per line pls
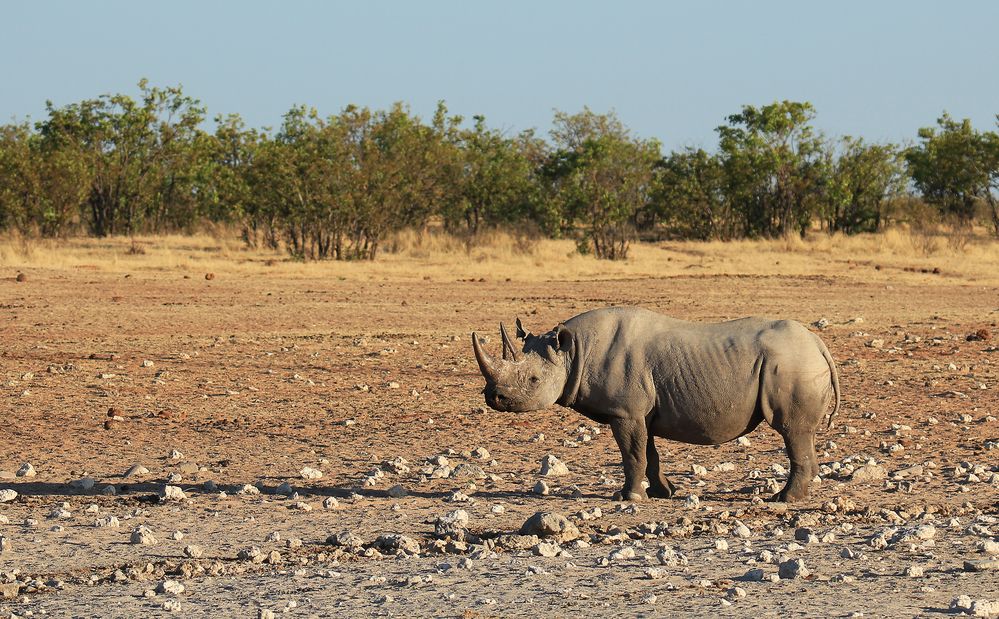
(435, 255)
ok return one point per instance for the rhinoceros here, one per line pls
(649, 375)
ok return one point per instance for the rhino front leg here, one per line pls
(659, 486)
(632, 439)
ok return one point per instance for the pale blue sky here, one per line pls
(671, 70)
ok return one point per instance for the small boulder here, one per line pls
(550, 525)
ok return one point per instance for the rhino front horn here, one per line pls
(485, 361)
(507, 345)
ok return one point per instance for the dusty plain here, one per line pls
(364, 372)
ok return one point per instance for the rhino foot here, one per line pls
(631, 497)
(666, 491)
(786, 496)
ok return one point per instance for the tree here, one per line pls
(134, 153)
(601, 177)
(862, 180)
(494, 183)
(690, 196)
(951, 167)
(771, 158)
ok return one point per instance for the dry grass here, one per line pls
(436, 256)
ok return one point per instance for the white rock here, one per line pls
(173, 493)
(311, 473)
(170, 587)
(481, 453)
(143, 535)
(7, 495)
(552, 466)
(194, 551)
(541, 488)
(176, 455)
(107, 522)
(330, 502)
(621, 554)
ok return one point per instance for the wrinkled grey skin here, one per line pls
(649, 375)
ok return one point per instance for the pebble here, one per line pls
(173, 493)
(869, 472)
(142, 535)
(481, 453)
(330, 502)
(552, 466)
(546, 549)
(621, 554)
(452, 524)
(193, 551)
(26, 470)
(176, 455)
(7, 495)
(86, 483)
(541, 488)
(171, 587)
(136, 470)
(397, 491)
(107, 522)
(310, 473)
(793, 568)
(248, 490)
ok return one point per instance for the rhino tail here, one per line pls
(834, 377)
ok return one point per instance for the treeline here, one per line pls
(336, 186)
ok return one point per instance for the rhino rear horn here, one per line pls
(521, 332)
(507, 345)
(486, 364)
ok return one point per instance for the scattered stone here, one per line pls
(142, 535)
(755, 574)
(7, 495)
(671, 558)
(869, 472)
(621, 554)
(553, 467)
(173, 493)
(26, 470)
(252, 554)
(541, 488)
(284, 488)
(87, 483)
(330, 502)
(176, 455)
(553, 525)
(193, 551)
(397, 543)
(136, 470)
(546, 549)
(481, 453)
(453, 524)
(397, 491)
(107, 522)
(310, 473)
(170, 587)
(248, 490)
(792, 568)
(914, 571)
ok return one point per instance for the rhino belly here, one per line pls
(706, 418)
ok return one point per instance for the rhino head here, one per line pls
(530, 380)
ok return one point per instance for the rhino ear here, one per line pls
(521, 333)
(563, 338)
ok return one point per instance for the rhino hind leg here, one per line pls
(804, 466)
(659, 486)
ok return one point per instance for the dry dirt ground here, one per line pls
(225, 386)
